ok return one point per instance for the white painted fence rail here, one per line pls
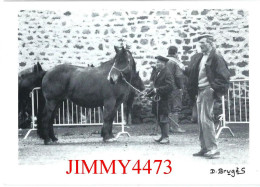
(235, 105)
(69, 115)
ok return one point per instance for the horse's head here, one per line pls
(137, 81)
(29, 80)
(123, 64)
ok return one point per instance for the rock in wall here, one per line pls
(86, 38)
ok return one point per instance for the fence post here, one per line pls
(33, 112)
(222, 120)
(122, 124)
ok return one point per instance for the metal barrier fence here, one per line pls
(69, 115)
(235, 110)
(235, 105)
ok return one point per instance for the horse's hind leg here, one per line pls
(43, 131)
(47, 121)
(51, 131)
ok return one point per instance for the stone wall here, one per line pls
(85, 38)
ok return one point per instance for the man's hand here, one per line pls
(182, 66)
(151, 92)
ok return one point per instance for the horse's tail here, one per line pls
(39, 114)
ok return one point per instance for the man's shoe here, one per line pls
(212, 154)
(165, 141)
(200, 153)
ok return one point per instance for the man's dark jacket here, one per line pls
(163, 82)
(216, 70)
(177, 74)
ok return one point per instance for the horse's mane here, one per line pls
(134, 65)
(109, 62)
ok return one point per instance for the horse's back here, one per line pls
(55, 80)
(82, 85)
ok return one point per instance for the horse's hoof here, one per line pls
(110, 140)
(47, 142)
(54, 139)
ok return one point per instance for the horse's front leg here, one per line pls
(114, 113)
(111, 126)
(108, 115)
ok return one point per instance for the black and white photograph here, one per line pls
(137, 93)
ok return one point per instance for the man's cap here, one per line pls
(205, 36)
(172, 51)
(161, 58)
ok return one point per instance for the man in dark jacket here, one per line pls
(208, 78)
(175, 100)
(162, 87)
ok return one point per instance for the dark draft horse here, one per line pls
(87, 87)
(27, 80)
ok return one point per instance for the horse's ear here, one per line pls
(34, 68)
(39, 67)
(123, 49)
(116, 49)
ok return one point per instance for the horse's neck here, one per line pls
(106, 66)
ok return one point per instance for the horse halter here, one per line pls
(120, 70)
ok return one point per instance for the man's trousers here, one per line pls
(205, 104)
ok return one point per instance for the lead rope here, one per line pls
(108, 76)
(155, 98)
